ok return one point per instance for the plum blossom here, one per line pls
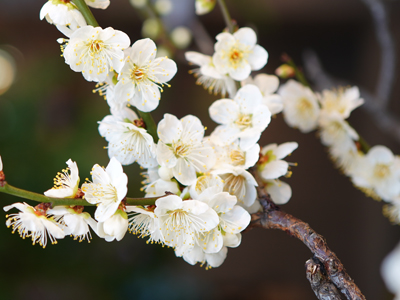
(107, 190)
(378, 170)
(268, 85)
(301, 108)
(114, 227)
(77, 221)
(95, 51)
(181, 147)
(238, 54)
(143, 75)
(244, 117)
(390, 271)
(143, 222)
(341, 102)
(271, 165)
(102, 4)
(65, 184)
(62, 13)
(208, 76)
(182, 221)
(128, 140)
(32, 222)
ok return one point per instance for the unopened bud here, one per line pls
(163, 7)
(138, 3)
(181, 36)
(285, 71)
(151, 28)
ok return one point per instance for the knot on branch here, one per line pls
(320, 282)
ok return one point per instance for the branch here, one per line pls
(11, 190)
(388, 54)
(273, 218)
(321, 284)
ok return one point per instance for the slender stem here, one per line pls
(86, 12)
(151, 126)
(225, 13)
(90, 19)
(11, 190)
(299, 74)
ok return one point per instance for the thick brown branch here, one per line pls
(274, 218)
(321, 284)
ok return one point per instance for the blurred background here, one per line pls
(49, 114)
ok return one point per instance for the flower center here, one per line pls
(304, 106)
(96, 47)
(181, 150)
(243, 121)
(235, 185)
(235, 57)
(238, 157)
(138, 74)
(381, 171)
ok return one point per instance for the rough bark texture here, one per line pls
(321, 284)
(274, 218)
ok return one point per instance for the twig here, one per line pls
(322, 80)
(388, 56)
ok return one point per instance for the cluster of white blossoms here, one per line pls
(376, 172)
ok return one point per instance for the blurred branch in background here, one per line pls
(377, 103)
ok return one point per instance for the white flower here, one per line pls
(240, 183)
(268, 84)
(160, 186)
(341, 102)
(76, 220)
(182, 221)
(271, 165)
(233, 155)
(33, 223)
(211, 260)
(204, 6)
(62, 13)
(279, 191)
(245, 117)
(128, 141)
(102, 4)
(65, 185)
(341, 139)
(181, 149)
(335, 131)
(108, 188)
(114, 227)
(390, 271)
(143, 75)
(1, 164)
(95, 51)
(143, 222)
(205, 182)
(211, 246)
(301, 108)
(208, 76)
(379, 170)
(237, 54)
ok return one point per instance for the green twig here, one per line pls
(11, 190)
(86, 12)
(227, 16)
(151, 126)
